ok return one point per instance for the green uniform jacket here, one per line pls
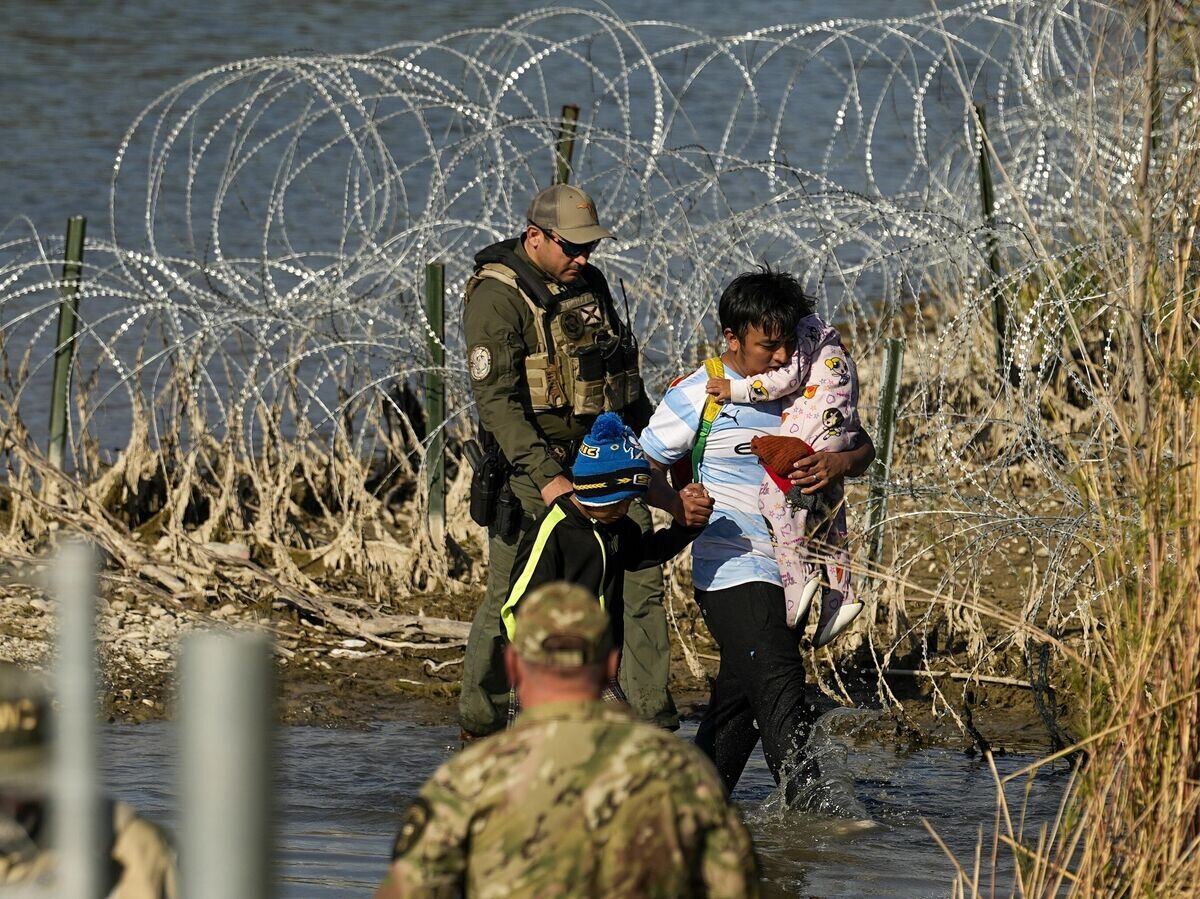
(498, 319)
(577, 799)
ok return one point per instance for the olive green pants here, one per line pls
(645, 656)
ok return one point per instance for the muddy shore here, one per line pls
(328, 679)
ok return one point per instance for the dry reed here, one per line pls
(1130, 821)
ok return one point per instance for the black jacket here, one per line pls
(565, 545)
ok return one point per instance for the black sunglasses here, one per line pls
(572, 249)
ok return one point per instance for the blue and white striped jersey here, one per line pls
(735, 548)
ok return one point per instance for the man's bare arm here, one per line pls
(690, 507)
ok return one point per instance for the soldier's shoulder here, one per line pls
(127, 820)
(680, 763)
(145, 854)
(482, 755)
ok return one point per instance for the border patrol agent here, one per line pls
(142, 863)
(547, 352)
(577, 799)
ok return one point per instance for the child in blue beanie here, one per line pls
(585, 538)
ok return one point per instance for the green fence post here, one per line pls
(889, 394)
(64, 350)
(987, 198)
(564, 147)
(435, 398)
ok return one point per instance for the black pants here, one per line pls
(759, 690)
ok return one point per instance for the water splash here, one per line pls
(831, 795)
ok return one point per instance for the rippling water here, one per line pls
(340, 793)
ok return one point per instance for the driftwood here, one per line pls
(433, 627)
(432, 667)
(212, 562)
(373, 629)
(409, 644)
(962, 675)
(445, 631)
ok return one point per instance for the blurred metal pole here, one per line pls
(225, 689)
(564, 146)
(77, 803)
(435, 399)
(889, 395)
(64, 351)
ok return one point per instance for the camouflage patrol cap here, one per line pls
(24, 726)
(568, 212)
(562, 625)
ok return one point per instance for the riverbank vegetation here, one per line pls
(1130, 822)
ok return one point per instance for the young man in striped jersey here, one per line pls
(759, 690)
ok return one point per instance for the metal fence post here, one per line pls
(77, 802)
(992, 276)
(889, 394)
(435, 398)
(564, 146)
(225, 792)
(64, 351)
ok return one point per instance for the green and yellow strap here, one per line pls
(715, 369)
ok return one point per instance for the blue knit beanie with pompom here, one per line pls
(610, 466)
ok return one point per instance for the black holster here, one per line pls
(509, 513)
(489, 481)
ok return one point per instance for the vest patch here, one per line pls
(591, 314)
(480, 362)
(572, 324)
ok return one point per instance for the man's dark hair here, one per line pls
(770, 300)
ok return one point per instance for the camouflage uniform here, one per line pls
(577, 799)
(502, 333)
(142, 862)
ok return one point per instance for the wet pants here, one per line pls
(645, 654)
(759, 689)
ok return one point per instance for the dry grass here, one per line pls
(1130, 822)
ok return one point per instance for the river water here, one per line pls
(340, 794)
(77, 73)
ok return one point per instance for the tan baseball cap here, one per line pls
(562, 625)
(568, 212)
